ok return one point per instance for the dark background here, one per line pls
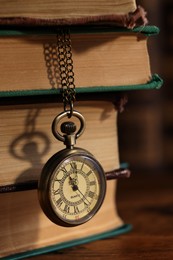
(146, 125)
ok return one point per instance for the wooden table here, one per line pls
(145, 201)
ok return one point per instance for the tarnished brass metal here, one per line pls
(59, 63)
(73, 136)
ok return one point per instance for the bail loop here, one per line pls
(62, 115)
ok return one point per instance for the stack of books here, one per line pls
(110, 56)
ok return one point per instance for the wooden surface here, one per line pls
(145, 201)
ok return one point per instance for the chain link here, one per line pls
(48, 54)
(58, 58)
(64, 53)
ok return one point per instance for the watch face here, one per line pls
(76, 189)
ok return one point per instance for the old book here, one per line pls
(23, 127)
(53, 10)
(26, 144)
(97, 53)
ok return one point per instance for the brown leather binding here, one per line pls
(117, 174)
(129, 20)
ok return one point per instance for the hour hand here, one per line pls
(73, 183)
(74, 169)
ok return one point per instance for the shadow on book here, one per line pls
(20, 215)
(30, 147)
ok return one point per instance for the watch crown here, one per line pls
(68, 128)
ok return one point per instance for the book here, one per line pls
(64, 9)
(29, 125)
(67, 12)
(27, 143)
(23, 67)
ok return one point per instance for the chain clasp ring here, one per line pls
(70, 110)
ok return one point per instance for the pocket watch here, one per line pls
(72, 185)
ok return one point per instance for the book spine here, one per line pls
(129, 20)
(32, 185)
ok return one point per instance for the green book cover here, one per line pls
(155, 83)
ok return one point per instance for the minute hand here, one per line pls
(75, 188)
(83, 195)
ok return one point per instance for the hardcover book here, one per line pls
(31, 49)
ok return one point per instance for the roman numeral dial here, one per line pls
(76, 189)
